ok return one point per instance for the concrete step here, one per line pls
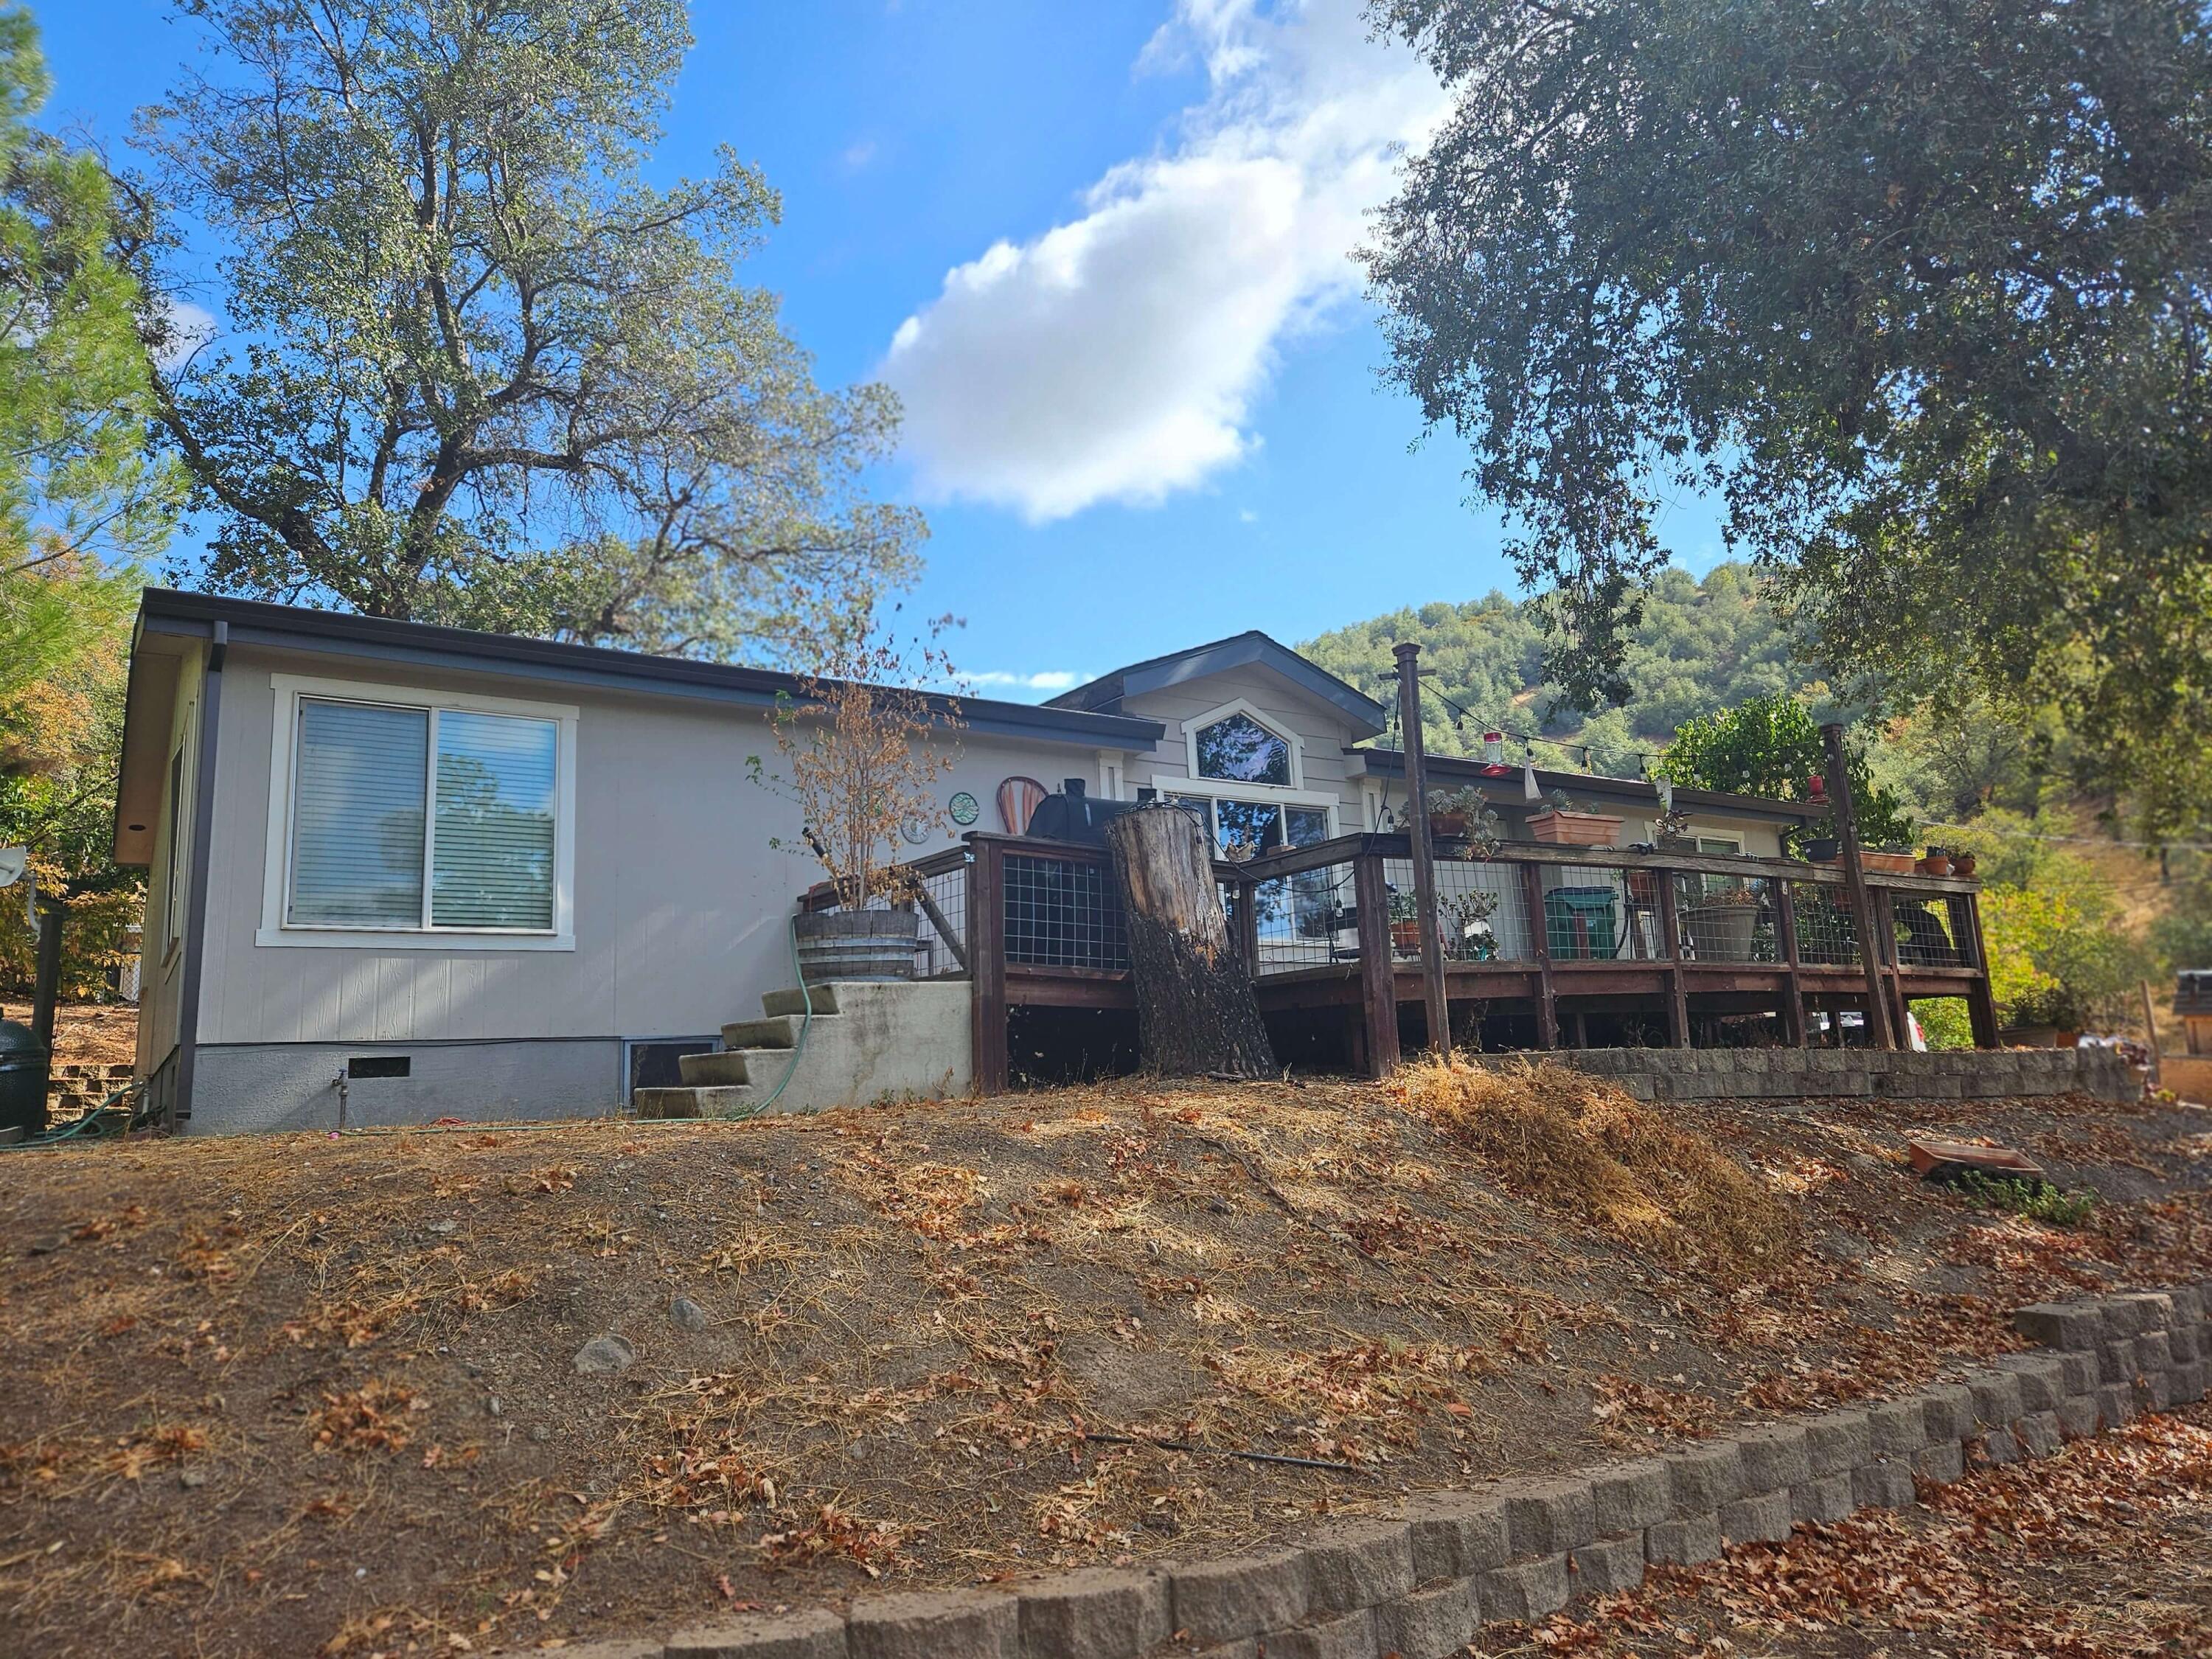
(711, 1070)
(776, 1032)
(788, 1002)
(691, 1102)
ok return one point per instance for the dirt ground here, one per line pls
(307, 1394)
(2103, 1551)
(86, 1033)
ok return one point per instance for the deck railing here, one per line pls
(1554, 929)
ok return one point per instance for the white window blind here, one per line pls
(377, 830)
(492, 848)
(357, 794)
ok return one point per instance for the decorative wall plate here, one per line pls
(963, 808)
(916, 830)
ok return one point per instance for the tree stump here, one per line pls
(1195, 1011)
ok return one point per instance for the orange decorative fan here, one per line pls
(1019, 799)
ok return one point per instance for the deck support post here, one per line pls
(1785, 927)
(1547, 1003)
(1879, 1034)
(1981, 1006)
(986, 966)
(1425, 867)
(1670, 936)
(1378, 972)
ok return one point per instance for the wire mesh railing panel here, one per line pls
(1726, 918)
(1482, 911)
(1592, 913)
(1827, 935)
(948, 892)
(1063, 912)
(1306, 921)
(1928, 932)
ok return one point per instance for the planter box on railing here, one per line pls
(1574, 829)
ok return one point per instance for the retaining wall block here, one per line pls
(1336, 1636)
(1764, 1519)
(1898, 1427)
(1548, 1517)
(1997, 1397)
(2184, 1344)
(1455, 1534)
(1775, 1456)
(1607, 1567)
(1826, 1498)
(1629, 1496)
(619, 1649)
(2188, 1304)
(2116, 1405)
(1948, 1410)
(818, 1634)
(1684, 1541)
(2153, 1391)
(2060, 1325)
(1884, 1483)
(1992, 1447)
(1527, 1590)
(1359, 1563)
(2041, 1378)
(962, 1624)
(2188, 1382)
(1245, 1647)
(2081, 1372)
(1704, 1477)
(1429, 1624)
(1095, 1613)
(1244, 1596)
(2116, 1361)
(1836, 1443)
(2078, 1414)
(2039, 1433)
(2144, 1310)
(2154, 1352)
(1946, 1462)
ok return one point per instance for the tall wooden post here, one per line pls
(1785, 925)
(1425, 867)
(1879, 1030)
(990, 1065)
(1670, 935)
(1981, 1006)
(1539, 946)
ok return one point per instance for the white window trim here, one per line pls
(1698, 832)
(277, 871)
(1197, 723)
(1215, 789)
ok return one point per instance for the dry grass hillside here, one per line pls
(312, 1395)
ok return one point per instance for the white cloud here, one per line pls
(858, 154)
(190, 327)
(1049, 679)
(1118, 357)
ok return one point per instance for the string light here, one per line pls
(1461, 714)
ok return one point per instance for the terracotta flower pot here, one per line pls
(1447, 824)
(1405, 937)
(1558, 829)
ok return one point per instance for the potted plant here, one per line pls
(1405, 924)
(1721, 925)
(1466, 919)
(1824, 849)
(1670, 831)
(1936, 861)
(1892, 859)
(1565, 824)
(862, 754)
(1962, 864)
(1466, 815)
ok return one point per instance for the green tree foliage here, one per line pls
(1922, 290)
(1771, 745)
(483, 372)
(76, 487)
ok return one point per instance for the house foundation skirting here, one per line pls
(1419, 1582)
(1812, 1073)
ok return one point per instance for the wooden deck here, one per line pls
(1546, 946)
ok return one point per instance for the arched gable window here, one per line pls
(1237, 749)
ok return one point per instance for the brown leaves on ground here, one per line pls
(1570, 1141)
(2102, 1552)
(371, 1418)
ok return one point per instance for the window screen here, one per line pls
(358, 787)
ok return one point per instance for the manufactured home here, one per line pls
(399, 872)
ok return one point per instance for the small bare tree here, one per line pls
(863, 751)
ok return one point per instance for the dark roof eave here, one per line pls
(1392, 762)
(285, 627)
(1216, 656)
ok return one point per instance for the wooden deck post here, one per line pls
(1425, 867)
(1378, 972)
(986, 966)
(1785, 926)
(1879, 1032)
(1981, 1006)
(1547, 1003)
(1248, 927)
(1670, 936)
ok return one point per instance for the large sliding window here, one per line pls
(445, 822)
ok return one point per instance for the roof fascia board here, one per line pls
(1244, 651)
(327, 634)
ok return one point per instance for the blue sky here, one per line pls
(1100, 249)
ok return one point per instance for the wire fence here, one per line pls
(1827, 935)
(1064, 913)
(1727, 919)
